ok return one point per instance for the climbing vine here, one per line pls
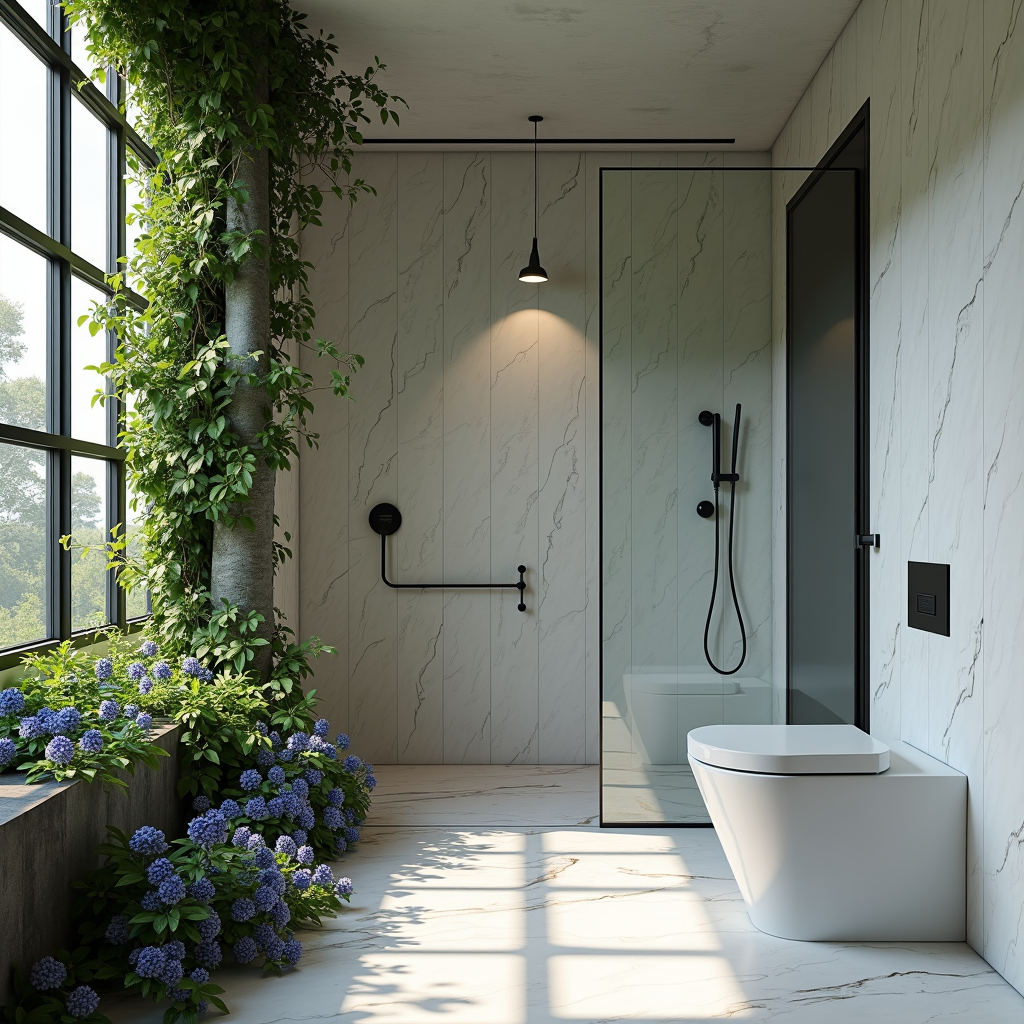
(193, 75)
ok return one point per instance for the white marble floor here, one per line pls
(481, 899)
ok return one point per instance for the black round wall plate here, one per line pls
(385, 519)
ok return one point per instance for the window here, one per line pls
(63, 149)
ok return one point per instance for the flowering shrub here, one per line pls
(159, 917)
(66, 720)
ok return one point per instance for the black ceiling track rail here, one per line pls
(385, 520)
(550, 142)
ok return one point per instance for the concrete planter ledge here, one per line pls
(48, 838)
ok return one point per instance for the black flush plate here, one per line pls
(928, 597)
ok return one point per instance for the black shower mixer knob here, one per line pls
(705, 510)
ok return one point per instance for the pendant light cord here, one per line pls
(535, 183)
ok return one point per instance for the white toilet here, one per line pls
(834, 835)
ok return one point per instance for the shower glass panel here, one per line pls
(686, 319)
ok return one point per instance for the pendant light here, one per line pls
(533, 272)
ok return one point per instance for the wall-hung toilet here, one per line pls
(834, 835)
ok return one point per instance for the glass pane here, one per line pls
(22, 131)
(23, 276)
(137, 600)
(81, 56)
(88, 420)
(822, 452)
(88, 529)
(22, 545)
(686, 325)
(88, 186)
(133, 219)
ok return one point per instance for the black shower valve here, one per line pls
(705, 510)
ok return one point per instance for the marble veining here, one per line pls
(481, 899)
(945, 79)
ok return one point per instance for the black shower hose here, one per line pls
(732, 578)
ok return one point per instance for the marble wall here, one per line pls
(945, 79)
(687, 326)
(477, 414)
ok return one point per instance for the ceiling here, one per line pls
(596, 69)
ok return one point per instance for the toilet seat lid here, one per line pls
(789, 749)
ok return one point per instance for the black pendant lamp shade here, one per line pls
(533, 272)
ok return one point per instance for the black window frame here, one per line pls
(66, 81)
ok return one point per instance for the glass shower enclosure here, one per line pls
(686, 327)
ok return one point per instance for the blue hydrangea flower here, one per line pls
(150, 962)
(171, 891)
(31, 728)
(318, 745)
(118, 931)
(352, 763)
(191, 666)
(275, 739)
(323, 876)
(151, 901)
(241, 836)
(342, 741)
(60, 750)
(48, 974)
(8, 751)
(243, 910)
(91, 741)
(82, 1002)
(344, 887)
(174, 950)
(245, 950)
(305, 855)
(274, 948)
(321, 727)
(274, 878)
(161, 670)
(109, 710)
(307, 819)
(230, 809)
(136, 670)
(104, 668)
(336, 797)
(148, 648)
(205, 675)
(339, 844)
(275, 807)
(298, 741)
(262, 728)
(208, 952)
(201, 804)
(264, 757)
(285, 755)
(159, 871)
(264, 897)
(179, 995)
(349, 815)
(314, 776)
(280, 914)
(173, 971)
(276, 775)
(255, 841)
(263, 934)
(147, 840)
(300, 837)
(66, 721)
(286, 845)
(202, 889)
(256, 808)
(144, 721)
(145, 685)
(301, 786)
(302, 879)
(352, 835)
(332, 818)
(12, 701)
(371, 781)
(209, 830)
(293, 951)
(264, 858)
(200, 976)
(210, 928)
(131, 710)
(292, 804)
(250, 779)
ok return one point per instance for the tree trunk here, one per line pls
(242, 570)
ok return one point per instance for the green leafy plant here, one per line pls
(219, 87)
